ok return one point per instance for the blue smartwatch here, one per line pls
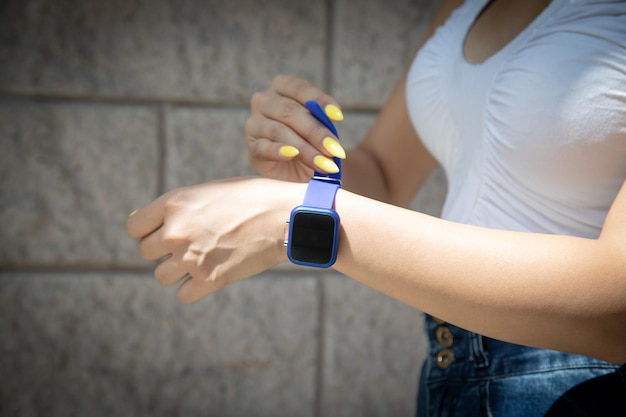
(313, 237)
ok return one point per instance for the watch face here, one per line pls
(313, 238)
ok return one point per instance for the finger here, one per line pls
(292, 121)
(275, 141)
(284, 119)
(263, 149)
(195, 288)
(260, 128)
(146, 220)
(170, 271)
(153, 247)
(302, 91)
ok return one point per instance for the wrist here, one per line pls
(286, 195)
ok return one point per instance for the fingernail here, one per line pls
(325, 164)
(288, 151)
(334, 148)
(333, 112)
(132, 213)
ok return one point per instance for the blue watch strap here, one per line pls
(314, 226)
(321, 193)
(317, 112)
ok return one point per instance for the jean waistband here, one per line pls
(456, 350)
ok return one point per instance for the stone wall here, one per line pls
(104, 105)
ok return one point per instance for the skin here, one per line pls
(557, 292)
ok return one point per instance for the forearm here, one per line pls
(391, 163)
(362, 175)
(550, 291)
(555, 292)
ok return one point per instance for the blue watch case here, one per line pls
(316, 241)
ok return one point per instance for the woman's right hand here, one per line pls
(285, 141)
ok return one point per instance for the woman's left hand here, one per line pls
(216, 233)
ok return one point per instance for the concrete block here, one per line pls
(374, 41)
(69, 176)
(205, 144)
(209, 50)
(120, 344)
(373, 348)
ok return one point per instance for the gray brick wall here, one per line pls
(104, 105)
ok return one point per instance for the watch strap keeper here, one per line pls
(321, 193)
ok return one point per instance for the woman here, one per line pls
(523, 103)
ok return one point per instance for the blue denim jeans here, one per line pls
(468, 375)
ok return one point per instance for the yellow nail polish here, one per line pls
(132, 213)
(288, 151)
(334, 148)
(333, 112)
(325, 164)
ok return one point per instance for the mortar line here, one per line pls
(163, 134)
(87, 268)
(121, 100)
(321, 288)
(82, 268)
(320, 346)
(329, 48)
(178, 103)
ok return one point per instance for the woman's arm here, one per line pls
(549, 291)
(555, 292)
(390, 164)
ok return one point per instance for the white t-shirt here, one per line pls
(534, 138)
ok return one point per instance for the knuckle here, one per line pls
(281, 79)
(301, 88)
(289, 108)
(143, 252)
(257, 98)
(176, 199)
(249, 126)
(214, 279)
(174, 236)
(275, 131)
(293, 86)
(316, 131)
(160, 275)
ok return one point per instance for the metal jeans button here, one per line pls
(444, 358)
(444, 336)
